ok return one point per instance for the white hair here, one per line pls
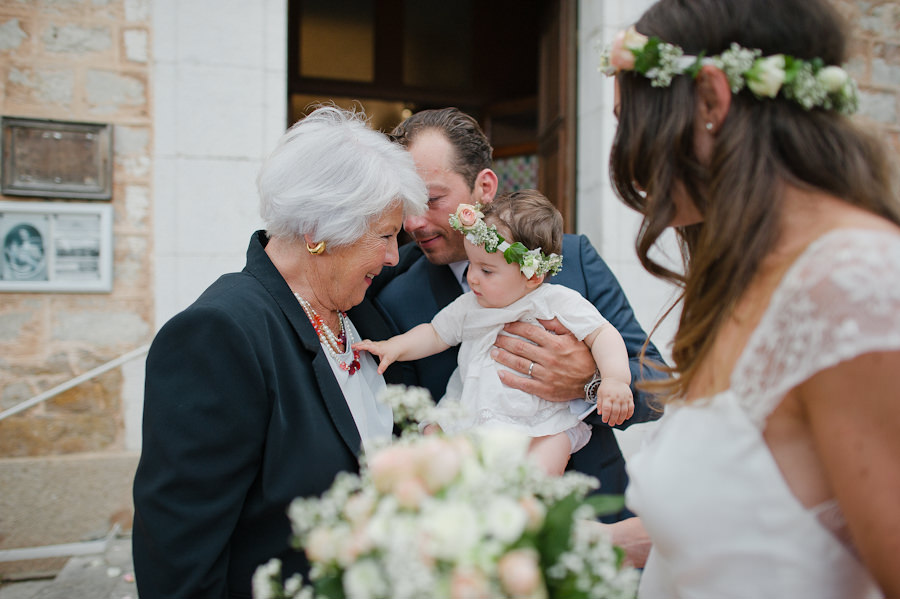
(330, 175)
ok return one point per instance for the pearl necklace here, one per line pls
(327, 338)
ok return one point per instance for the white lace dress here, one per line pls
(724, 522)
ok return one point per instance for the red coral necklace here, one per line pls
(329, 340)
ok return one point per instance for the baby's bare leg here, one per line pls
(551, 452)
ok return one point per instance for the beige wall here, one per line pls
(80, 60)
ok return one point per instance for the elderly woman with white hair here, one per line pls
(254, 395)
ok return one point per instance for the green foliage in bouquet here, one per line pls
(435, 517)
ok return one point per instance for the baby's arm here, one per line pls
(615, 402)
(419, 342)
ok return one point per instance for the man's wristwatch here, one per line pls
(590, 389)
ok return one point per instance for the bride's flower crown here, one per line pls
(469, 221)
(811, 84)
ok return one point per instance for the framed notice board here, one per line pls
(56, 159)
(56, 246)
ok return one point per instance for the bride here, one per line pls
(776, 469)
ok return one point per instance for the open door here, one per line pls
(508, 63)
(557, 107)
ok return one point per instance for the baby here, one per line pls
(507, 285)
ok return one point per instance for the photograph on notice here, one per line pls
(24, 247)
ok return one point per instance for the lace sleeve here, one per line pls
(839, 300)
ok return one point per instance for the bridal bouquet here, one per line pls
(452, 517)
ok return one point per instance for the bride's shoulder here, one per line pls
(846, 282)
(863, 250)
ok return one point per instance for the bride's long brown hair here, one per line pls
(761, 145)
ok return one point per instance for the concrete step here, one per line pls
(107, 575)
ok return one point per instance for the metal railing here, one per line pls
(95, 372)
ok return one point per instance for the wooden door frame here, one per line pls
(557, 107)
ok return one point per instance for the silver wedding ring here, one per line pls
(530, 368)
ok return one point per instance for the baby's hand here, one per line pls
(615, 403)
(380, 349)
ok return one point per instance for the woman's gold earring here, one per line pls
(317, 249)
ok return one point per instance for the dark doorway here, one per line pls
(502, 61)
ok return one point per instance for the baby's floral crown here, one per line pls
(811, 84)
(469, 221)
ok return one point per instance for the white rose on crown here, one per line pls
(767, 76)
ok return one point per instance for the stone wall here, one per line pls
(80, 60)
(875, 64)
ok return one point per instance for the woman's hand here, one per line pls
(629, 534)
(561, 363)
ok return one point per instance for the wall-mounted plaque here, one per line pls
(57, 159)
(56, 246)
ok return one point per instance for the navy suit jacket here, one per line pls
(415, 290)
(242, 414)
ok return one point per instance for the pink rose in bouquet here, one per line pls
(457, 517)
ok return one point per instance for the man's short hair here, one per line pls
(473, 151)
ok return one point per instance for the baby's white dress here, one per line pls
(475, 384)
(723, 520)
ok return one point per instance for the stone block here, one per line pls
(69, 8)
(60, 433)
(12, 36)
(40, 85)
(76, 39)
(209, 96)
(13, 394)
(137, 10)
(878, 106)
(64, 499)
(886, 65)
(132, 150)
(137, 206)
(56, 364)
(136, 46)
(23, 335)
(100, 328)
(96, 396)
(132, 265)
(110, 91)
(882, 20)
(12, 325)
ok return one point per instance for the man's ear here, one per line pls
(713, 98)
(486, 184)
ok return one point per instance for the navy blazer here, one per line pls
(242, 414)
(415, 290)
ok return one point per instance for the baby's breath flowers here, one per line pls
(469, 220)
(435, 517)
(810, 83)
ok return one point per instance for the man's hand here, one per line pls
(562, 363)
